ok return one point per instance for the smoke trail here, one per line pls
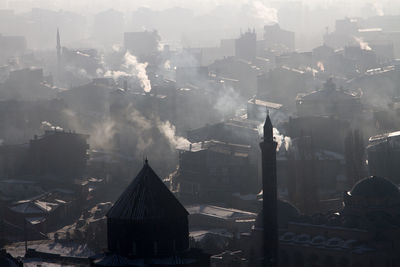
(45, 125)
(363, 45)
(321, 66)
(278, 137)
(378, 8)
(139, 70)
(169, 131)
(267, 14)
(130, 68)
(116, 74)
(103, 134)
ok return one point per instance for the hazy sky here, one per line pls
(93, 6)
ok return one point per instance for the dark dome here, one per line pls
(375, 187)
(286, 213)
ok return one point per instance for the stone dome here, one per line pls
(375, 187)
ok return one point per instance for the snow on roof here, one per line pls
(46, 206)
(199, 234)
(370, 30)
(384, 136)
(27, 208)
(34, 262)
(264, 103)
(63, 248)
(220, 212)
(36, 220)
(118, 260)
(237, 150)
(16, 181)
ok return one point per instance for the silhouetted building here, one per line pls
(282, 85)
(11, 46)
(214, 170)
(296, 60)
(246, 46)
(383, 155)
(277, 39)
(59, 153)
(329, 102)
(328, 133)
(27, 84)
(141, 43)
(358, 235)
(6, 260)
(148, 225)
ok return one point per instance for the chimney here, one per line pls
(269, 184)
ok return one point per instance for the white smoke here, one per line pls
(268, 15)
(227, 101)
(363, 45)
(321, 66)
(116, 74)
(139, 70)
(103, 134)
(45, 125)
(78, 72)
(167, 64)
(378, 8)
(169, 132)
(279, 138)
(116, 47)
(131, 67)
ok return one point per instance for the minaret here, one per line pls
(58, 47)
(269, 183)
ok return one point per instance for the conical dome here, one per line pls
(146, 199)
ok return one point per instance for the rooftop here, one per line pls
(146, 199)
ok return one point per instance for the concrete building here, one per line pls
(141, 43)
(329, 101)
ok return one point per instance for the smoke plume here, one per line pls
(363, 45)
(267, 14)
(131, 67)
(169, 132)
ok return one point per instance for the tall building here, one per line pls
(148, 225)
(246, 46)
(269, 183)
(58, 153)
(142, 43)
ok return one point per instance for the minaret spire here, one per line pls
(269, 184)
(268, 129)
(58, 47)
(58, 44)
